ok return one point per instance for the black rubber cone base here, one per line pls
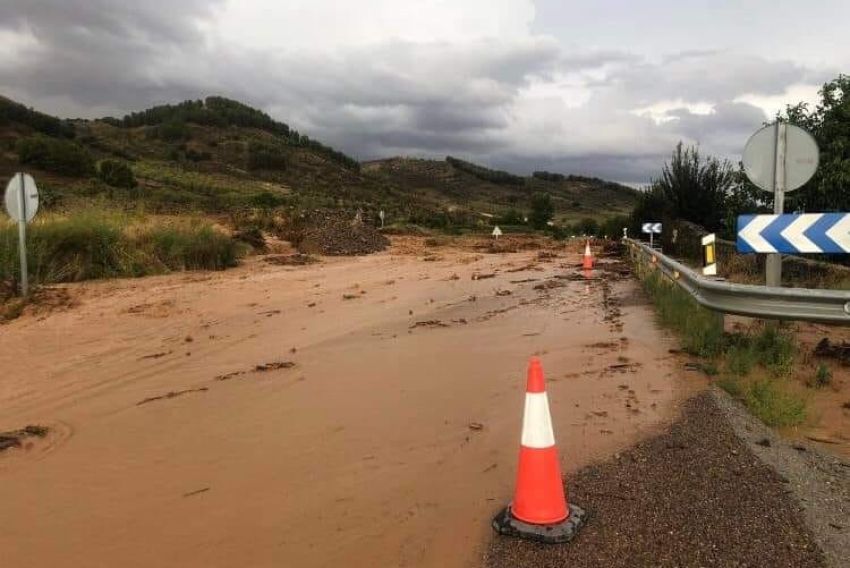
(505, 523)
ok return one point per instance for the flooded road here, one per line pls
(363, 411)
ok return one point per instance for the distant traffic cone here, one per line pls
(587, 262)
(539, 510)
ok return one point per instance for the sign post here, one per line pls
(22, 203)
(381, 215)
(497, 232)
(652, 228)
(780, 158)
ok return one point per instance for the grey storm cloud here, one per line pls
(391, 96)
(99, 52)
(726, 129)
(707, 76)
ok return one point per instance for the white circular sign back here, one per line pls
(801, 157)
(13, 197)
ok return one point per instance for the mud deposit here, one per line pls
(289, 426)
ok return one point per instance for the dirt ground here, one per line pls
(312, 415)
(828, 407)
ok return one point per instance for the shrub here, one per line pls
(116, 174)
(511, 217)
(104, 245)
(773, 404)
(268, 200)
(193, 247)
(822, 378)
(740, 360)
(775, 351)
(262, 156)
(55, 155)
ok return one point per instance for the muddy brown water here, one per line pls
(362, 453)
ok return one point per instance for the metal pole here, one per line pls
(650, 238)
(22, 235)
(773, 263)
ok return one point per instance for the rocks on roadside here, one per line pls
(338, 233)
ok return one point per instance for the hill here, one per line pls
(460, 185)
(218, 156)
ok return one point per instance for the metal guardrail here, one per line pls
(801, 304)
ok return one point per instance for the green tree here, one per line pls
(692, 188)
(542, 210)
(829, 123)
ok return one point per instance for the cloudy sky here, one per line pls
(603, 87)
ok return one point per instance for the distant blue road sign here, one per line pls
(827, 233)
(651, 228)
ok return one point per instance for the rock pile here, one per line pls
(339, 233)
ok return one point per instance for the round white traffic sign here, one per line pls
(13, 198)
(801, 157)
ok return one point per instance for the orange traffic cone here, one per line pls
(587, 262)
(539, 510)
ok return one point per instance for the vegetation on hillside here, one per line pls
(56, 155)
(221, 158)
(12, 112)
(170, 123)
(495, 176)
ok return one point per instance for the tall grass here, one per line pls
(756, 365)
(107, 244)
(700, 330)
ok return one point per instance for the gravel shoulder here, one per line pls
(695, 495)
(820, 482)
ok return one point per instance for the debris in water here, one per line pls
(482, 276)
(274, 366)
(13, 439)
(429, 323)
(156, 355)
(171, 394)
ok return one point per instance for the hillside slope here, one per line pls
(442, 181)
(216, 156)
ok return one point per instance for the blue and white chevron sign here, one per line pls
(793, 234)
